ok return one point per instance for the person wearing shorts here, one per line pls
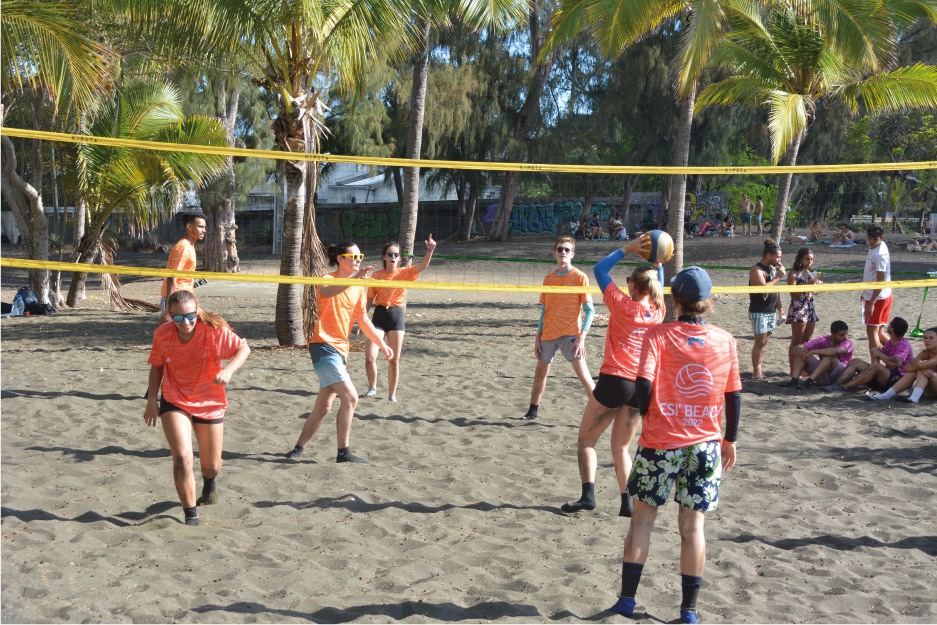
(688, 375)
(759, 210)
(921, 374)
(876, 303)
(560, 328)
(338, 308)
(884, 372)
(185, 362)
(824, 358)
(182, 258)
(745, 214)
(613, 401)
(389, 307)
(764, 308)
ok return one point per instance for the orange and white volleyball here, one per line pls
(661, 247)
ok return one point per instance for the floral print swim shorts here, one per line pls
(697, 471)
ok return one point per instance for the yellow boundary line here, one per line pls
(428, 286)
(475, 165)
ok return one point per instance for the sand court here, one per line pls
(830, 514)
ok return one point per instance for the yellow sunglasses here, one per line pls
(354, 256)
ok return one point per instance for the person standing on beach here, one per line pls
(688, 374)
(182, 258)
(759, 210)
(185, 362)
(389, 307)
(802, 317)
(764, 308)
(560, 327)
(876, 303)
(745, 214)
(921, 374)
(338, 307)
(613, 399)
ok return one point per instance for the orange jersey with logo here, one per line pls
(692, 367)
(627, 324)
(337, 316)
(181, 257)
(392, 298)
(189, 369)
(562, 310)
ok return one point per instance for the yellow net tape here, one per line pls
(479, 165)
(429, 286)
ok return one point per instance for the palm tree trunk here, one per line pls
(411, 186)
(289, 311)
(678, 192)
(784, 188)
(886, 199)
(85, 252)
(313, 257)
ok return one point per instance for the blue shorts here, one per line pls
(763, 323)
(328, 363)
(756, 219)
(745, 218)
(697, 471)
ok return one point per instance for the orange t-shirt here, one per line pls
(692, 367)
(337, 316)
(392, 298)
(189, 369)
(627, 325)
(181, 257)
(562, 310)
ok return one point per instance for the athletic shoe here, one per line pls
(529, 417)
(392, 398)
(350, 457)
(688, 616)
(625, 606)
(371, 392)
(806, 384)
(793, 382)
(905, 400)
(832, 387)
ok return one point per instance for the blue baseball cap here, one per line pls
(692, 283)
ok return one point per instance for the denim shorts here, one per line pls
(328, 363)
(696, 470)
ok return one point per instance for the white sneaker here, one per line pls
(371, 392)
(392, 398)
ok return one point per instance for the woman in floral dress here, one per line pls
(801, 316)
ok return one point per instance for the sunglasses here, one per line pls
(393, 254)
(354, 256)
(187, 316)
(564, 249)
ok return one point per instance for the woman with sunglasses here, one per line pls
(186, 363)
(613, 401)
(338, 307)
(389, 306)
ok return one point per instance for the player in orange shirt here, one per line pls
(688, 375)
(182, 257)
(613, 399)
(338, 308)
(186, 363)
(389, 306)
(559, 324)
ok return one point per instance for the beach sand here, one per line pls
(829, 515)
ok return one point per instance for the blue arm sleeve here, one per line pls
(588, 311)
(605, 265)
(543, 310)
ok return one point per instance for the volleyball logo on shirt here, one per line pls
(635, 339)
(694, 381)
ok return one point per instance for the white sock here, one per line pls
(916, 394)
(886, 395)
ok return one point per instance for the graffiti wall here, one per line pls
(370, 224)
(705, 206)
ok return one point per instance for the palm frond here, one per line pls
(906, 12)
(499, 15)
(859, 30)
(903, 89)
(788, 116)
(197, 130)
(617, 24)
(747, 63)
(707, 26)
(736, 90)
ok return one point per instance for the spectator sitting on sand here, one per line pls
(927, 244)
(834, 351)
(594, 227)
(816, 231)
(706, 229)
(922, 373)
(842, 235)
(726, 228)
(616, 229)
(792, 238)
(575, 229)
(882, 375)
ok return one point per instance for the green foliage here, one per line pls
(55, 241)
(534, 189)
(266, 232)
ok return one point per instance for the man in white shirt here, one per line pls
(876, 303)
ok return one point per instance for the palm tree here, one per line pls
(790, 66)
(138, 185)
(49, 62)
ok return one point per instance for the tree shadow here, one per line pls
(354, 503)
(124, 519)
(926, 544)
(87, 455)
(81, 394)
(921, 459)
(461, 422)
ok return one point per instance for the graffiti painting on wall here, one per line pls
(539, 219)
(706, 206)
(366, 224)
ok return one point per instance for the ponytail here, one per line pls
(645, 280)
(210, 319)
(337, 249)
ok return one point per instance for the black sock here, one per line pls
(627, 507)
(586, 502)
(630, 578)
(208, 487)
(191, 516)
(296, 453)
(345, 455)
(532, 411)
(691, 586)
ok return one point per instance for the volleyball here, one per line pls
(661, 247)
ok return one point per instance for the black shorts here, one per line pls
(388, 319)
(893, 377)
(614, 392)
(165, 406)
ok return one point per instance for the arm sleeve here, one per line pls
(733, 411)
(543, 310)
(605, 265)
(588, 311)
(643, 388)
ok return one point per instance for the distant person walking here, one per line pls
(182, 258)
(757, 214)
(745, 214)
(876, 303)
(764, 308)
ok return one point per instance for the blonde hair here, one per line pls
(570, 240)
(209, 319)
(645, 280)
